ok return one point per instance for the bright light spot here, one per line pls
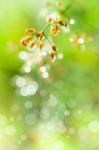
(72, 21)
(28, 104)
(93, 126)
(45, 74)
(53, 16)
(27, 68)
(42, 69)
(30, 119)
(60, 56)
(20, 81)
(34, 48)
(32, 88)
(65, 29)
(10, 130)
(71, 40)
(43, 53)
(81, 40)
(51, 125)
(52, 101)
(67, 113)
(23, 55)
(23, 137)
(24, 91)
(44, 113)
(47, 47)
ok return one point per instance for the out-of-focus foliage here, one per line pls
(63, 113)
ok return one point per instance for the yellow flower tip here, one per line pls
(41, 44)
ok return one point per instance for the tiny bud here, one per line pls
(28, 38)
(53, 46)
(62, 23)
(39, 35)
(52, 54)
(22, 41)
(41, 44)
(49, 20)
(32, 44)
(31, 30)
(25, 40)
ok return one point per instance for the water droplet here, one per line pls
(10, 130)
(20, 81)
(72, 21)
(28, 104)
(44, 113)
(42, 69)
(30, 118)
(94, 126)
(23, 55)
(52, 101)
(81, 40)
(45, 75)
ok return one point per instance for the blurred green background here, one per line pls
(35, 122)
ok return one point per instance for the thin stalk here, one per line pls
(47, 26)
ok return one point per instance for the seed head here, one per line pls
(39, 35)
(41, 44)
(62, 23)
(24, 41)
(53, 46)
(49, 20)
(30, 30)
(54, 30)
(32, 43)
(52, 54)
